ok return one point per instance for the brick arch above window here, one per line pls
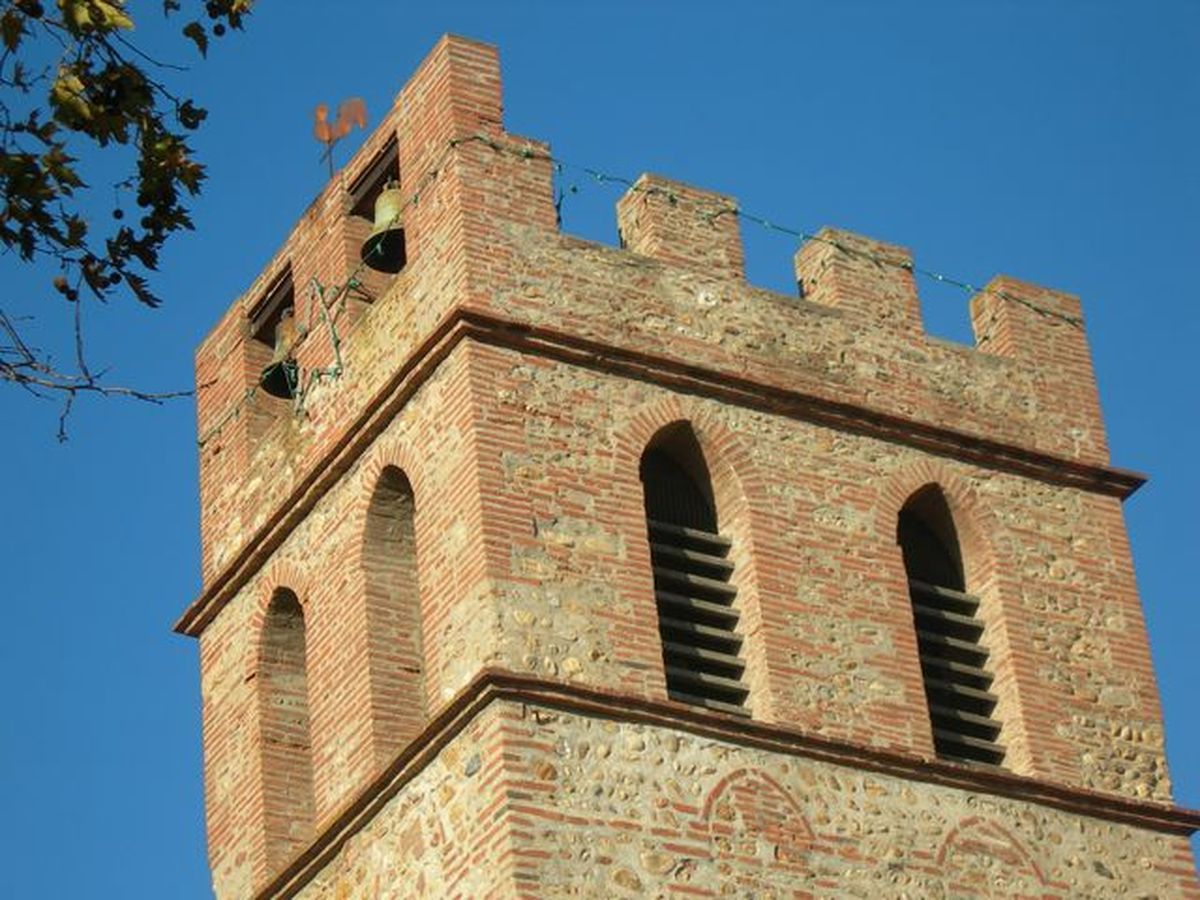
(395, 452)
(279, 573)
(751, 817)
(977, 526)
(738, 485)
(730, 462)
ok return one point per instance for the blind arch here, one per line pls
(287, 772)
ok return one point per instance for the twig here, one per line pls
(28, 368)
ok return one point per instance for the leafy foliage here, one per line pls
(72, 81)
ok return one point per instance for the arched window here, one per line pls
(393, 614)
(954, 664)
(286, 742)
(696, 617)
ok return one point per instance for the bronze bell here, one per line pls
(280, 378)
(383, 250)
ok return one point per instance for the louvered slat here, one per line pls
(956, 672)
(948, 623)
(729, 689)
(678, 535)
(702, 658)
(671, 556)
(699, 635)
(690, 608)
(947, 598)
(951, 648)
(952, 745)
(964, 722)
(707, 587)
(708, 702)
(965, 696)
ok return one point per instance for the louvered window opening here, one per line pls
(696, 618)
(953, 662)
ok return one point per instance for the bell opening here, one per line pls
(364, 190)
(278, 300)
(385, 251)
(375, 195)
(280, 379)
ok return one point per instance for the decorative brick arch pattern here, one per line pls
(387, 576)
(980, 858)
(739, 490)
(759, 836)
(990, 574)
(283, 721)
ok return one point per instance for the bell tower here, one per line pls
(534, 567)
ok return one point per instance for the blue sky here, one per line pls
(1054, 142)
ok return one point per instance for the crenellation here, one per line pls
(869, 279)
(682, 225)
(1044, 329)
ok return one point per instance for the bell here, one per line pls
(383, 250)
(281, 376)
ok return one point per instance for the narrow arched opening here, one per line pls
(694, 596)
(287, 772)
(954, 662)
(393, 613)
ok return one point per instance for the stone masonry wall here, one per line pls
(616, 809)
(481, 239)
(321, 563)
(440, 836)
(588, 807)
(532, 555)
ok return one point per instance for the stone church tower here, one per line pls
(542, 568)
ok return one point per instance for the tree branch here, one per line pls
(31, 369)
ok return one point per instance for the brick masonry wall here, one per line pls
(285, 730)
(322, 563)
(481, 238)
(514, 376)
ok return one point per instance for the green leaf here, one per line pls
(196, 32)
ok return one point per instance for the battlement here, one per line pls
(460, 493)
